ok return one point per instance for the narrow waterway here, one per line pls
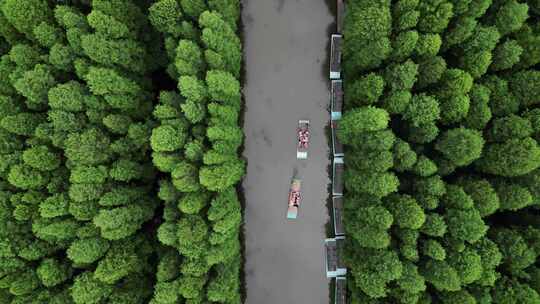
(285, 45)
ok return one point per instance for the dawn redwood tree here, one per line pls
(513, 157)
(361, 120)
(459, 88)
(422, 110)
(367, 23)
(365, 91)
(25, 16)
(461, 146)
(406, 211)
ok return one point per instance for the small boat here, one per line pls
(294, 199)
(303, 139)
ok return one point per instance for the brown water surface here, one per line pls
(285, 45)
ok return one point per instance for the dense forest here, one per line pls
(119, 138)
(441, 126)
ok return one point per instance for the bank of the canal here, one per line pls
(285, 45)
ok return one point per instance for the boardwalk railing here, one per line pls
(337, 146)
(337, 178)
(335, 267)
(334, 259)
(335, 56)
(336, 104)
(340, 15)
(341, 290)
(337, 202)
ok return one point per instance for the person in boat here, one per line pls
(295, 198)
(303, 137)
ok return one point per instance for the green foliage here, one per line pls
(88, 148)
(229, 9)
(189, 59)
(52, 273)
(165, 16)
(404, 156)
(455, 82)
(377, 184)
(87, 250)
(220, 177)
(462, 29)
(460, 90)
(476, 64)
(367, 23)
(428, 45)
(512, 291)
(424, 166)
(370, 231)
(41, 158)
(120, 222)
(379, 161)
(117, 263)
(461, 146)
(361, 120)
(479, 113)
(441, 275)
(506, 55)
(25, 15)
(513, 157)
(465, 225)
(455, 197)
(513, 196)
(103, 81)
(365, 90)
(368, 264)
(501, 102)
(221, 42)
(406, 211)
(193, 8)
(224, 87)
(524, 85)
(53, 206)
(62, 57)
(375, 141)
(24, 56)
(434, 225)
(484, 38)
(192, 88)
(403, 45)
(401, 76)
(485, 198)
(430, 70)
(511, 17)
(166, 138)
(434, 250)
(81, 136)
(125, 52)
(35, 84)
(185, 177)
(430, 186)
(517, 255)
(509, 127)
(87, 289)
(434, 16)
(107, 24)
(468, 265)
(69, 96)
(397, 102)
(422, 109)
(25, 177)
(405, 15)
